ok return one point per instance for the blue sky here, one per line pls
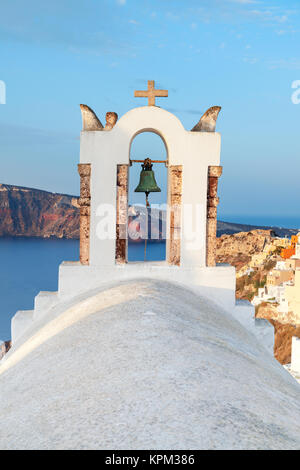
(240, 54)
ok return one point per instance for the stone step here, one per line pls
(43, 302)
(244, 312)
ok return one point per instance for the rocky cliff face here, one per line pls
(34, 213)
(232, 227)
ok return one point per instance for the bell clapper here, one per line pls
(147, 201)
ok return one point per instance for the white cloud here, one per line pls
(269, 15)
(250, 60)
(172, 16)
(121, 2)
(292, 63)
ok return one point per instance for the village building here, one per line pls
(288, 252)
(292, 294)
(295, 363)
(281, 242)
(276, 277)
(282, 286)
(292, 263)
(273, 294)
(282, 266)
(274, 290)
(259, 259)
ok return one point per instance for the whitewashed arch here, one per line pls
(156, 120)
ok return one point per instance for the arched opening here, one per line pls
(147, 225)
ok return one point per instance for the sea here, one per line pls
(29, 265)
(263, 220)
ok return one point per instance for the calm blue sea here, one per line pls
(154, 251)
(264, 220)
(28, 265)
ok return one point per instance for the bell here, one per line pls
(147, 182)
(147, 185)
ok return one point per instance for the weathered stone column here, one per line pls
(122, 217)
(214, 172)
(175, 179)
(84, 170)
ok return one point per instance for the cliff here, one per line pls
(237, 249)
(29, 212)
(232, 227)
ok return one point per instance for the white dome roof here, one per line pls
(142, 365)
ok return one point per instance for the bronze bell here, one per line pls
(147, 182)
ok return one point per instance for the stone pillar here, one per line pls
(214, 172)
(175, 181)
(84, 170)
(122, 214)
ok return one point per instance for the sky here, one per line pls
(242, 55)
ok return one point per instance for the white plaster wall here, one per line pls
(215, 283)
(195, 151)
(244, 312)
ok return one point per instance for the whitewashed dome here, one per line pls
(145, 364)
